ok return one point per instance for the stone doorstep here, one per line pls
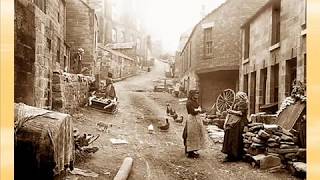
(267, 161)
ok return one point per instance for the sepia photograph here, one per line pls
(160, 89)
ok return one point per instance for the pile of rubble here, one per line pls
(271, 146)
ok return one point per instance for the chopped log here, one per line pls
(257, 145)
(286, 146)
(257, 140)
(255, 128)
(246, 141)
(301, 154)
(125, 169)
(286, 138)
(281, 151)
(254, 124)
(291, 156)
(274, 145)
(288, 143)
(250, 134)
(271, 140)
(255, 151)
(263, 134)
(286, 132)
(271, 127)
(277, 138)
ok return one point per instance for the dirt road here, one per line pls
(158, 156)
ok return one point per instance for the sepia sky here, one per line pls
(166, 20)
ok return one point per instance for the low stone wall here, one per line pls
(69, 91)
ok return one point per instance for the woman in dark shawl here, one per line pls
(233, 128)
(110, 91)
(193, 133)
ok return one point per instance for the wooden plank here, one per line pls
(290, 115)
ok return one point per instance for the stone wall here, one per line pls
(82, 25)
(264, 57)
(39, 47)
(24, 48)
(70, 91)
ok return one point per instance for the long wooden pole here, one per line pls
(125, 169)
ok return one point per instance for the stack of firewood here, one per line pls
(271, 139)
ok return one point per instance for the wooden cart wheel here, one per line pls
(225, 100)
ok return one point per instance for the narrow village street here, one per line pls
(158, 156)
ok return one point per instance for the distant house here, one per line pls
(116, 63)
(273, 51)
(209, 60)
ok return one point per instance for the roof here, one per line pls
(126, 45)
(194, 28)
(183, 39)
(209, 14)
(117, 53)
(263, 8)
(86, 4)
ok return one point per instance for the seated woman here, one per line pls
(235, 122)
(110, 93)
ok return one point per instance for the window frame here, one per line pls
(276, 27)
(208, 41)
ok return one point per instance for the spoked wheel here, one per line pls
(225, 100)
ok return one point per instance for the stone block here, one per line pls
(269, 161)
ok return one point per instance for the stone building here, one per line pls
(103, 10)
(210, 57)
(128, 36)
(273, 51)
(82, 25)
(116, 63)
(40, 48)
(178, 61)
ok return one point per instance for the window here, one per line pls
(275, 23)
(246, 42)
(291, 74)
(48, 44)
(304, 22)
(263, 85)
(58, 50)
(274, 83)
(252, 95)
(114, 35)
(41, 4)
(245, 83)
(208, 41)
